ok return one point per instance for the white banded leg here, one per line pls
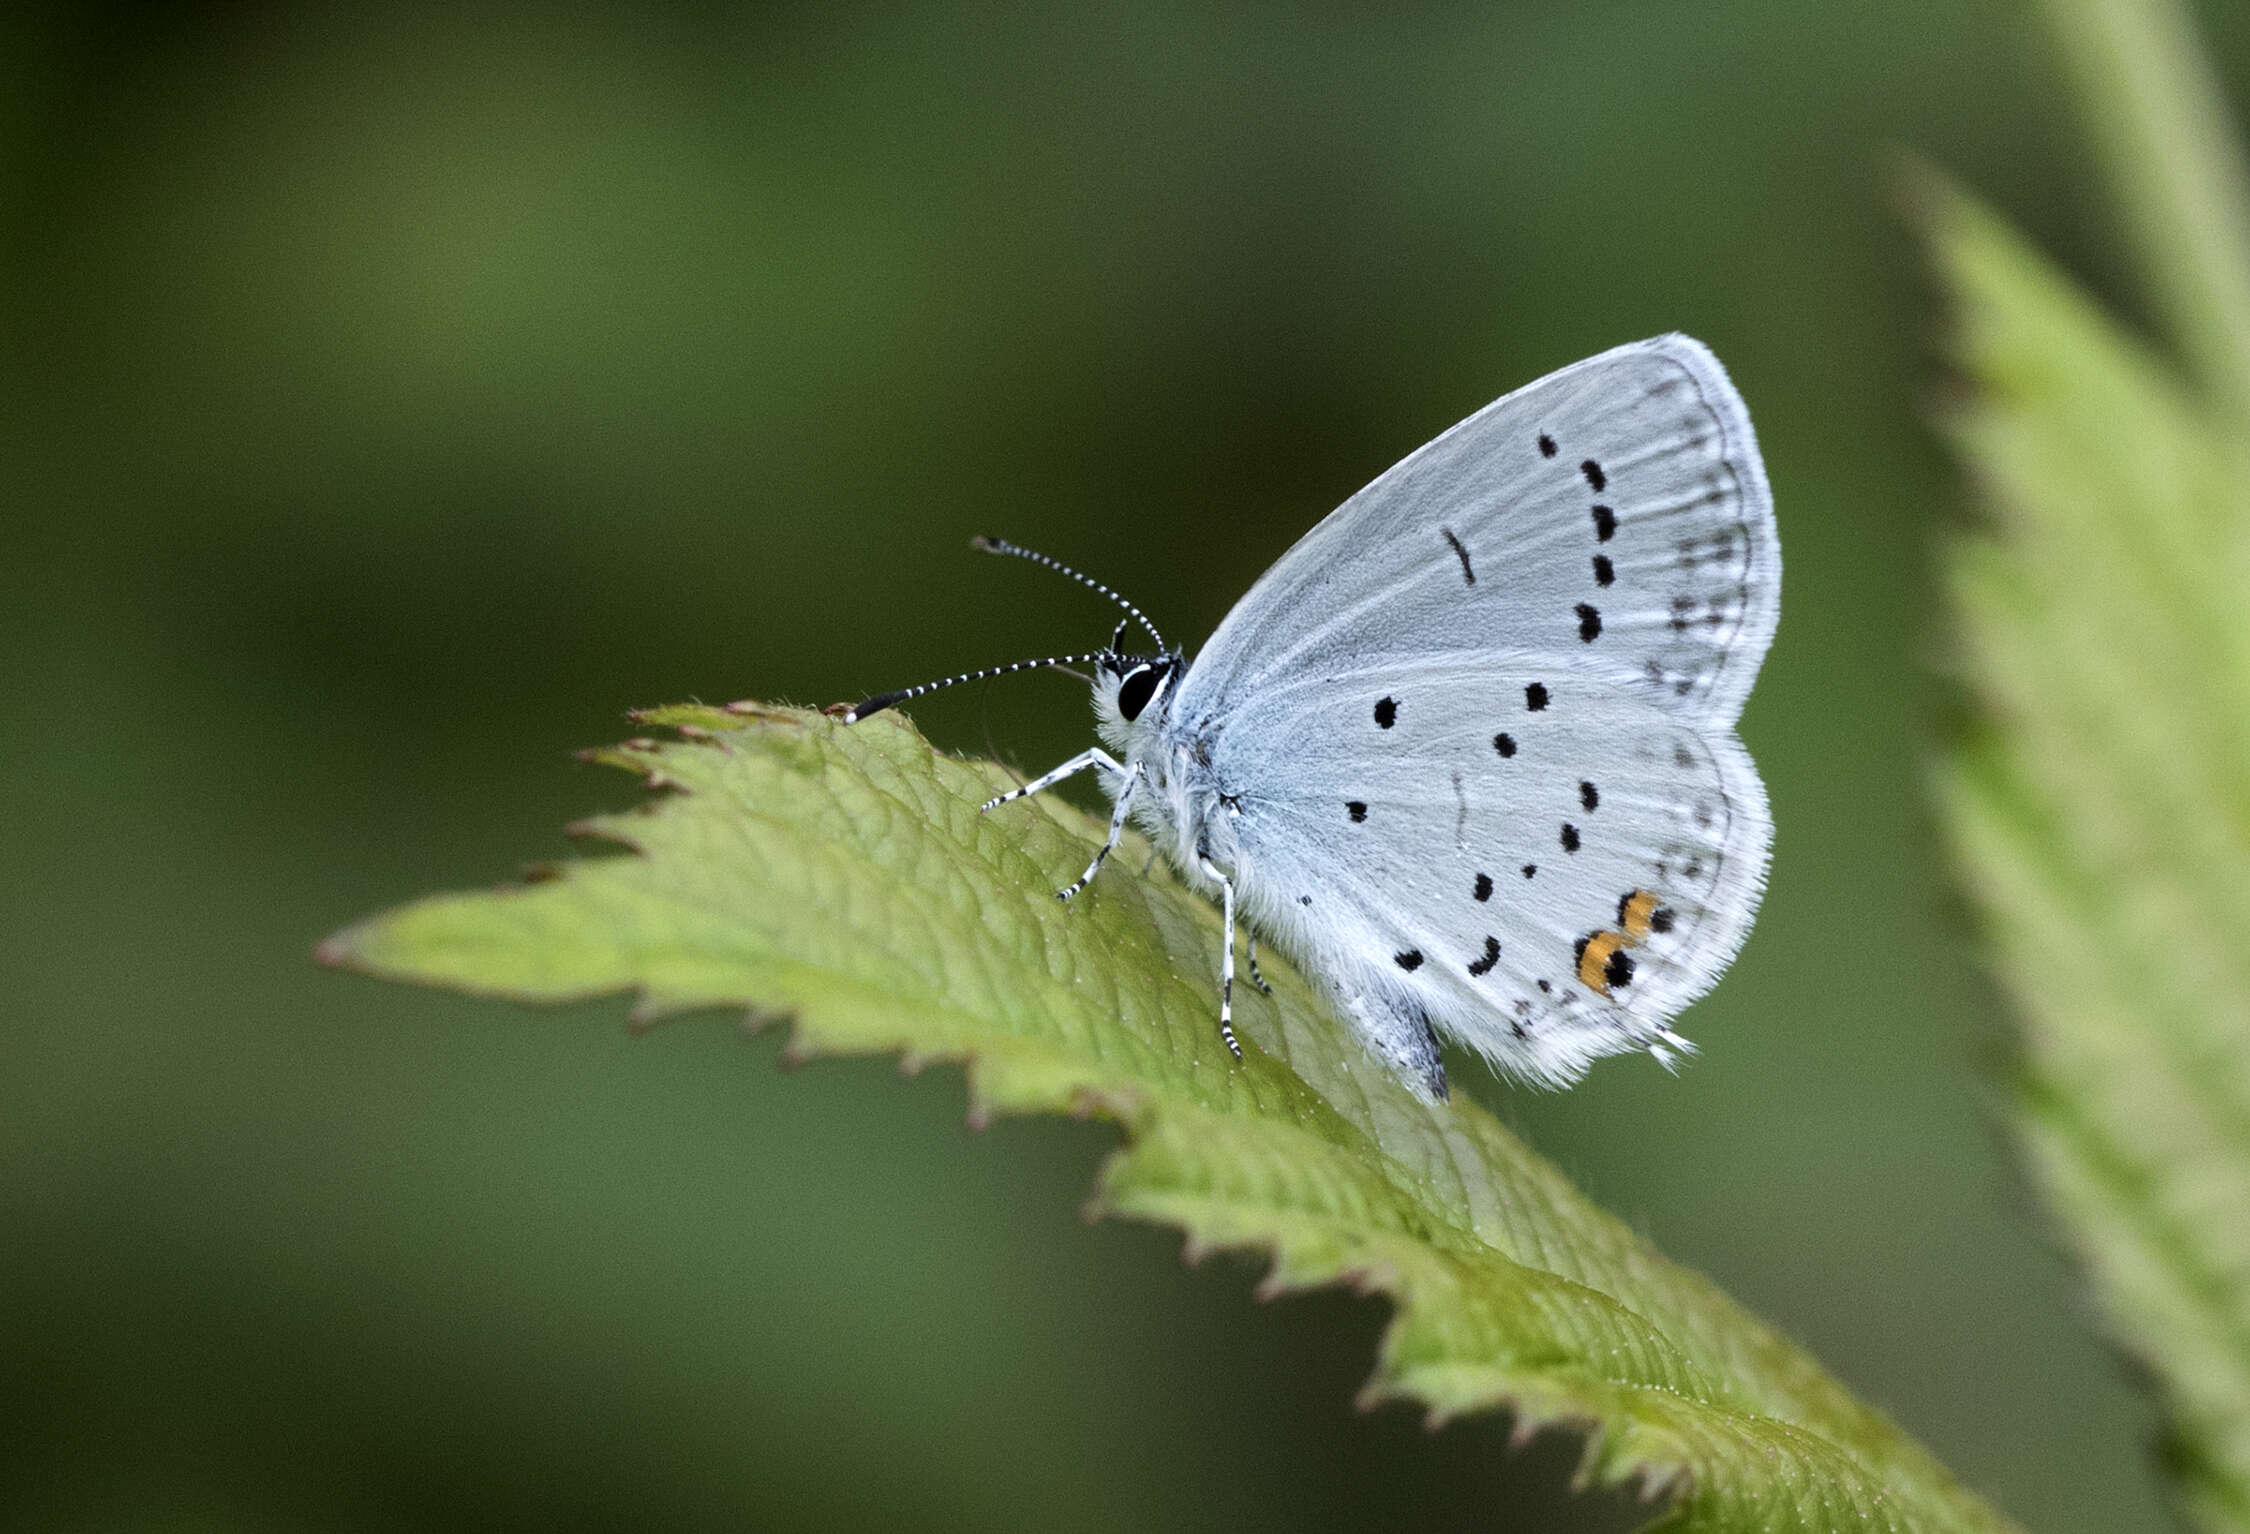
(1132, 778)
(1097, 757)
(1226, 964)
(1257, 979)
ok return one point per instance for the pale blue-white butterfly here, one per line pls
(1467, 752)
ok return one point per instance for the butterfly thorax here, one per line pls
(1177, 802)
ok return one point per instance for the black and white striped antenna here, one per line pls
(882, 700)
(854, 713)
(1003, 546)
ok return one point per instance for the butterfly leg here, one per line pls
(1132, 777)
(1257, 979)
(1226, 963)
(1079, 763)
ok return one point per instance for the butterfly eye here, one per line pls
(1138, 688)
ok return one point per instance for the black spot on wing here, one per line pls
(1535, 697)
(1484, 887)
(1605, 573)
(1504, 743)
(1605, 524)
(1530, 870)
(1589, 622)
(1569, 837)
(1546, 446)
(1468, 571)
(1594, 475)
(1589, 795)
(1410, 960)
(1619, 970)
(1356, 810)
(1386, 712)
(1491, 957)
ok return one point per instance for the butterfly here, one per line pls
(1467, 751)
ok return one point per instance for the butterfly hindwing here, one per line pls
(1616, 510)
(1521, 848)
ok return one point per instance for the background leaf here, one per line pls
(2102, 808)
(847, 877)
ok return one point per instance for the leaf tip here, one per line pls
(757, 1019)
(602, 828)
(645, 1015)
(340, 949)
(1655, 1485)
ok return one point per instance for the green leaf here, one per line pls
(2157, 122)
(846, 877)
(2101, 812)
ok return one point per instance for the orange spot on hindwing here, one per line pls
(1604, 964)
(1637, 914)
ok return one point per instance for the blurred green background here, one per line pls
(394, 395)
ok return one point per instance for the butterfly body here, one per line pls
(1467, 750)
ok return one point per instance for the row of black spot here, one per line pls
(1357, 810)
(1605, 528)
(1591, 469)
(1411, 960)
(1534, 700)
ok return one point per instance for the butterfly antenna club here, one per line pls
(1003, 546)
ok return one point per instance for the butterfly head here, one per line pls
(1131, 693)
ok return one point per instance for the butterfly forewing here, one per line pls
(1616, 510)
